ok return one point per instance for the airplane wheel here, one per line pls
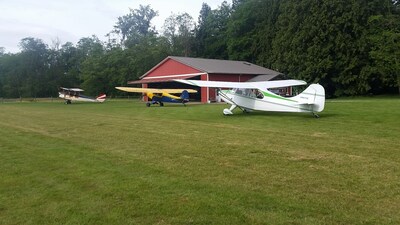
(148, 104)
(227, 112)
(316, 115)
(161, 104)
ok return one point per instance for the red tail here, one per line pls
(101, 97)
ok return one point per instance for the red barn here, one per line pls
(172, 67)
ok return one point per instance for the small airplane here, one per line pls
(74, 94)
(250, 96)
(159, 96)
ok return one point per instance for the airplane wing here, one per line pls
(154, 90)
(216, 84)
(72, 89)
(279, 83)
(139, 90)
(246, 85)
(178, 91)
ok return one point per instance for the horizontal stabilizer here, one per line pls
(307, 101)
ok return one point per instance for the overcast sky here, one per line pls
(70, 20)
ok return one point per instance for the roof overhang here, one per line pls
(166, 78)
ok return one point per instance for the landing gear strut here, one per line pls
(148, 104)
(315, 115)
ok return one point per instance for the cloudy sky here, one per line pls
(70, 20)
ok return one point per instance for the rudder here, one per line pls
(313, 95)
(101, 98)
(185, 96)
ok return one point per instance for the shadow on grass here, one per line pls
(283, 114)
(171, 105)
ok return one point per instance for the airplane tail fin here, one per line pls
(313, 95)
(185, 96)
(101, 98)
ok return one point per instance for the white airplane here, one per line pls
(74, 94)
(250, 96)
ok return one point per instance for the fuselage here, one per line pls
(71, 97)
(255, 99)
(166, 97)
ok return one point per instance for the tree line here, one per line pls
(350, 47)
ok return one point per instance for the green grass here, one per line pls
(123, 163)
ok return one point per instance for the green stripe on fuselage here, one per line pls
(266, 94)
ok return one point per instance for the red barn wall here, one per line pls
(230, 77)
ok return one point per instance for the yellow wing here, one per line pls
(153, 90)
(178, 91)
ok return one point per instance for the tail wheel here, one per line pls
(148, 104)
(161, 104)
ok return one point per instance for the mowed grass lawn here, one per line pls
(123, 163)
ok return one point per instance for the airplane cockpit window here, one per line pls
(252, 93)
(248, 92)
(239, 91)
(243, 91)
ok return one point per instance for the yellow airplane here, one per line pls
(159, 96)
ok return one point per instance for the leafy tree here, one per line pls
(10, 75)
(170, 30)
(91, 51)
(201, 30)
(70, 59)
(237, 3)
(383, 70)
(178, 29)
(135, 25)
(90, 47)
(24, 74)
(34, 54)
(322, 42)
(251, 31)
(212, 32)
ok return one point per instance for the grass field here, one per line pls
(123, 163)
